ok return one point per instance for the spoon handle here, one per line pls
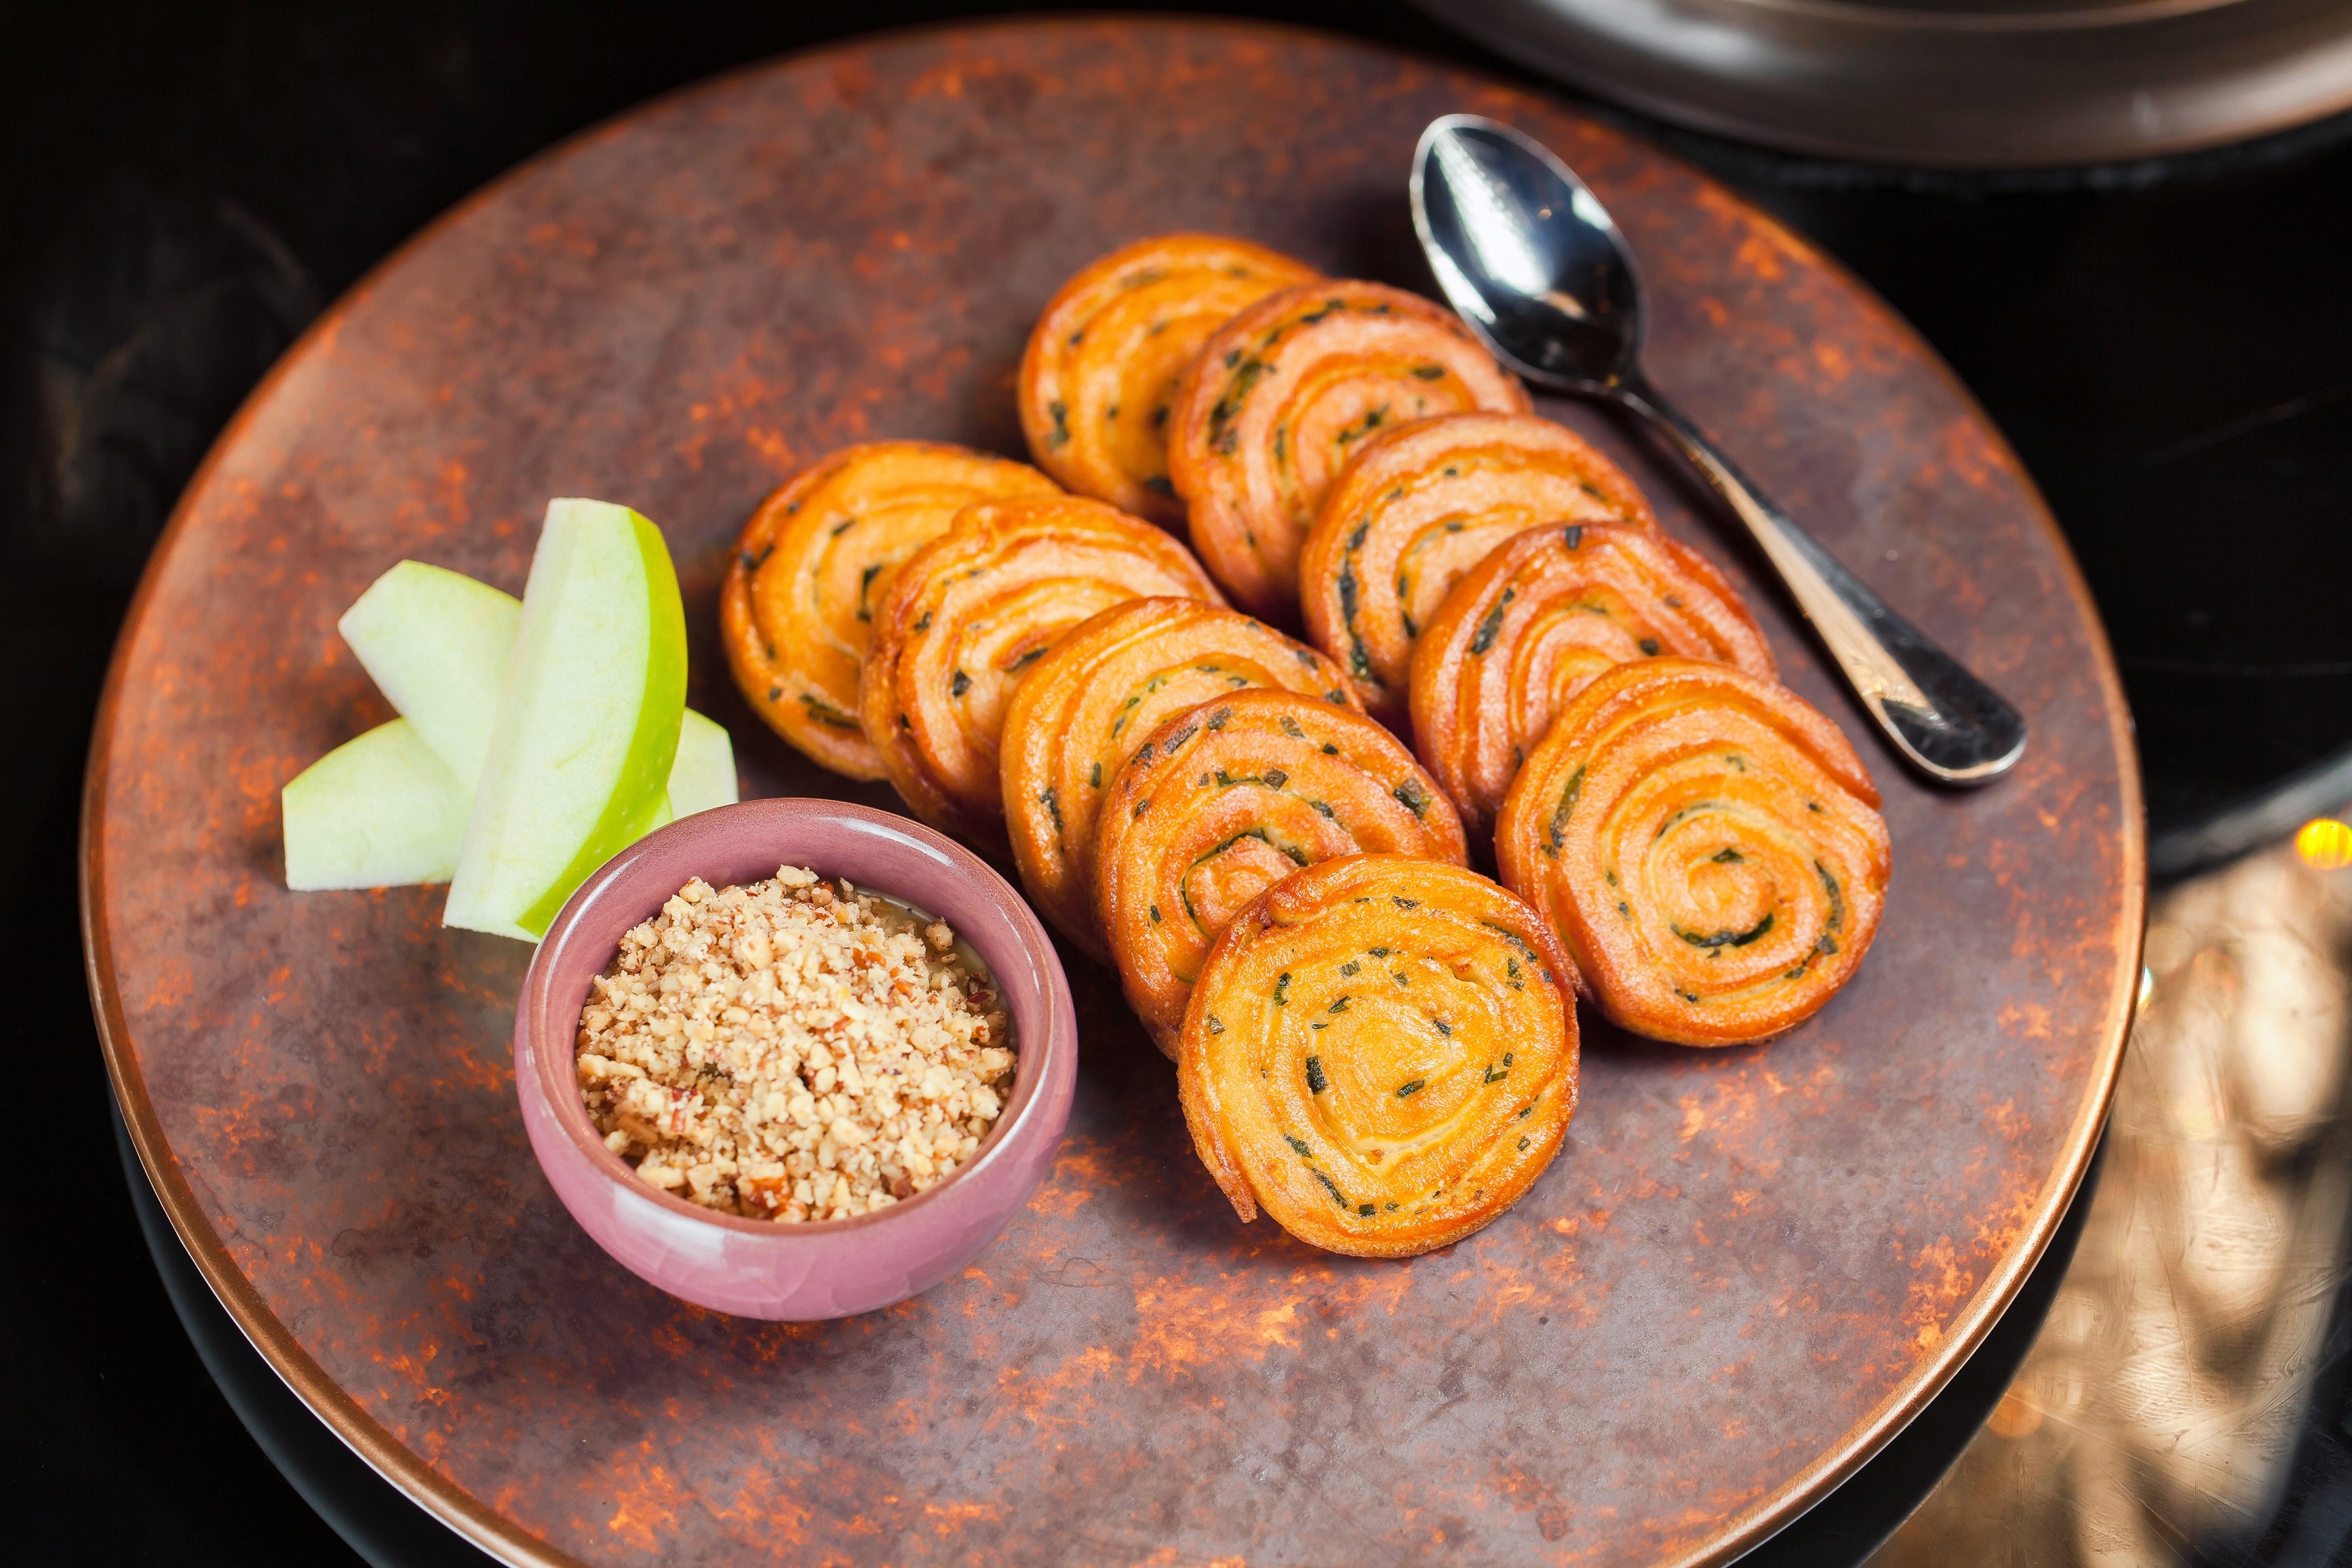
(1946, 722)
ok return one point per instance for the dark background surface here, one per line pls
(2169, 347)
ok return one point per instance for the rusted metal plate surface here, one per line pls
(1742, 1266)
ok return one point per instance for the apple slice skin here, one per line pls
(390, 809)
(508, 888)
(378, 811)
(435, 643)
(642, 793)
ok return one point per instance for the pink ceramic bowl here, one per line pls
(828, 1268)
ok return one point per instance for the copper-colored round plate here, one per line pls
(1746, 1269)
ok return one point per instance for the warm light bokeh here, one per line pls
(2324, 844)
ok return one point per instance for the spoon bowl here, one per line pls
(1527, 253)
(1534, 263)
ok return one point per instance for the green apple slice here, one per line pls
(704, 774)
(587, 729)
(435, 643)
(383, 812)
(376, 811)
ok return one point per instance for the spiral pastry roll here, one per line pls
(1086, 706)
(1280, 398)
(1707, 847)
(1382, 1053)
(1536, 620)
(1098, 379)
(1225, 799)
(1420, 505)
(815, 560)
(967, 617)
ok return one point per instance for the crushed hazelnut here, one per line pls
(792, 1050)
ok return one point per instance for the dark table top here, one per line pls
(2169, 347)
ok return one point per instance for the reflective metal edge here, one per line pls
(1941, 89)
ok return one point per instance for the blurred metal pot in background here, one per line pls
(1944, 83)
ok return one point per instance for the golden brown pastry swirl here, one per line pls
(1098, 379)
(1420, 505)
(1707, 845)
(815, 560)
(1226, 798)
(1279, 399)
(1544, 613)
(1086, 706)
(1382, 1053)
(970, 612)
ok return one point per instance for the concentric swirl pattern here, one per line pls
(1382, 1053)
(1707, 847)
(1227, 798)
(1098, 379)
(1086, 706)
(967, 617)
(1544, 613)
(1280, 398)
(815, 560)
(1420, 505)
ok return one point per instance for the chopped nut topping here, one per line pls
(792, 1050)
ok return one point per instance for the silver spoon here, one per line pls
(1533, 262)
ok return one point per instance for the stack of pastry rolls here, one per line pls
(1414, 619)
